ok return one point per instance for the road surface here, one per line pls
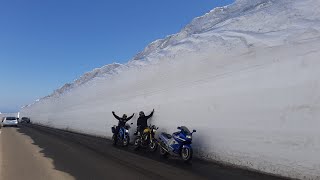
(30, 153)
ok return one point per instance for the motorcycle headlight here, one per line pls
(154, 130)
(127, 130)
(189, 137)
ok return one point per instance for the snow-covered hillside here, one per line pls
(246, 76)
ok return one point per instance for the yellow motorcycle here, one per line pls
(147, 139)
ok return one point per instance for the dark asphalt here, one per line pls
(35, 152)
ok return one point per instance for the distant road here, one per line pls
(30, 153)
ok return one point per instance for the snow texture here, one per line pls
(245, 76)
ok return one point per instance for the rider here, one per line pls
(142, 121)
(122, 122)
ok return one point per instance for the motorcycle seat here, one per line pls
(168, 136)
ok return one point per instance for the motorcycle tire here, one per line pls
(153, 146)
(163, 152)
(126, 141)
(136, 145)
(186, 154)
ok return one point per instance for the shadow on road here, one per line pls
(67, 156)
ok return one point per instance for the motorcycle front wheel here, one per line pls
(153, 146)
(136, 144)
(186, 154)
(126, 140)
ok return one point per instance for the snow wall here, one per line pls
(261, 111)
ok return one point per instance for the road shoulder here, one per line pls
(21, 159)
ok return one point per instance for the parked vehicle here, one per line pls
(25, 120)
(123, 135)
(177, 144)
(10, 121)
(147, 139)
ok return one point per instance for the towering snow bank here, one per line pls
(246, 76)
(225, 30)
(106, 70)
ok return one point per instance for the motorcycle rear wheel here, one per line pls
(163, 152)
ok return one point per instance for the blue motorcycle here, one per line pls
(123, 135)
(177, 144)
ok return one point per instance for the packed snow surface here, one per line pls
(245, 76)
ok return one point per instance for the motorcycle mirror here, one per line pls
(178, 127)
(194, 131)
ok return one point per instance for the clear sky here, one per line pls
(47, 43)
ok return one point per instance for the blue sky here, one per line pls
(47, 43)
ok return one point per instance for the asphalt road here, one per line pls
(32, 153)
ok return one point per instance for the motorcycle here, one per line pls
(177, 144)
(123, 135)
(147, 139)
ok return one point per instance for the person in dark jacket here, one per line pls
(122, 122)
(142, 121)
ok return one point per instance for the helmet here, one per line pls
(141, 113)
(124, 116)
